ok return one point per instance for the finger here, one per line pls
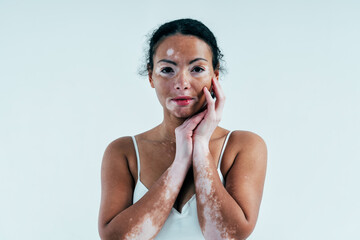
(191, 119)
(209, 100)
(216, 84)
(220, 96)
(197, 117)
(218, 89)
(195, 120)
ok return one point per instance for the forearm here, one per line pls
(144, 219)
(219, 214)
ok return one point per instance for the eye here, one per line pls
(166, 70)
(198, 69)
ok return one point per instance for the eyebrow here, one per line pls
(194, 60)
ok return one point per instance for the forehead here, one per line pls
(183, 47)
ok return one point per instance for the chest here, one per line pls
(155, 158)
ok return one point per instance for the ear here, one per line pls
(150, 79)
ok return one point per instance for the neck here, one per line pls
(167, 127)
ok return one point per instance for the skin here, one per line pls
(179, 157)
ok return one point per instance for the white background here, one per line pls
(69, 86)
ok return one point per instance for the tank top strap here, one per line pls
(137, 156)
(223, 149)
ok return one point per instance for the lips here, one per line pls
(183, 100)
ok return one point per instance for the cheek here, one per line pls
(162, 89)
(199, 89)
(204, 77)
(204, 82)
(159, 92)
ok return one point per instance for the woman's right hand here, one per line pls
(184, 141)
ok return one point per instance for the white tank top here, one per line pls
(178, 226)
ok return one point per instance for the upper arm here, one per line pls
(116, 182)
(245, 179)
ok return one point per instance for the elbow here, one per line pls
(244, 231)
(103, 233)
(106, 233)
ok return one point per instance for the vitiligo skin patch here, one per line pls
(144, 230)
(212, 225)
(147, 226)
(170, 51)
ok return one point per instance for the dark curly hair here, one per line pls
(185, 26)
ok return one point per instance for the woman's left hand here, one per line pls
(213, 115)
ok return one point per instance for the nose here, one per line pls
(182, 82)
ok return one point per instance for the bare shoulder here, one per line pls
(243, 147)
(120, 145)
(246, 176)
(247, 141)
(119, 153)
(116, 158)
(117, 182)
(250, 149)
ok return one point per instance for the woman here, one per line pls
(186, 178)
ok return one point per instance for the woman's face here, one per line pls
(182, 68)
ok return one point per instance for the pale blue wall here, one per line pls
(69, 87)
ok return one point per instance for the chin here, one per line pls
(183, 114)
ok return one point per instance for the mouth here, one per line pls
(183, 100)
